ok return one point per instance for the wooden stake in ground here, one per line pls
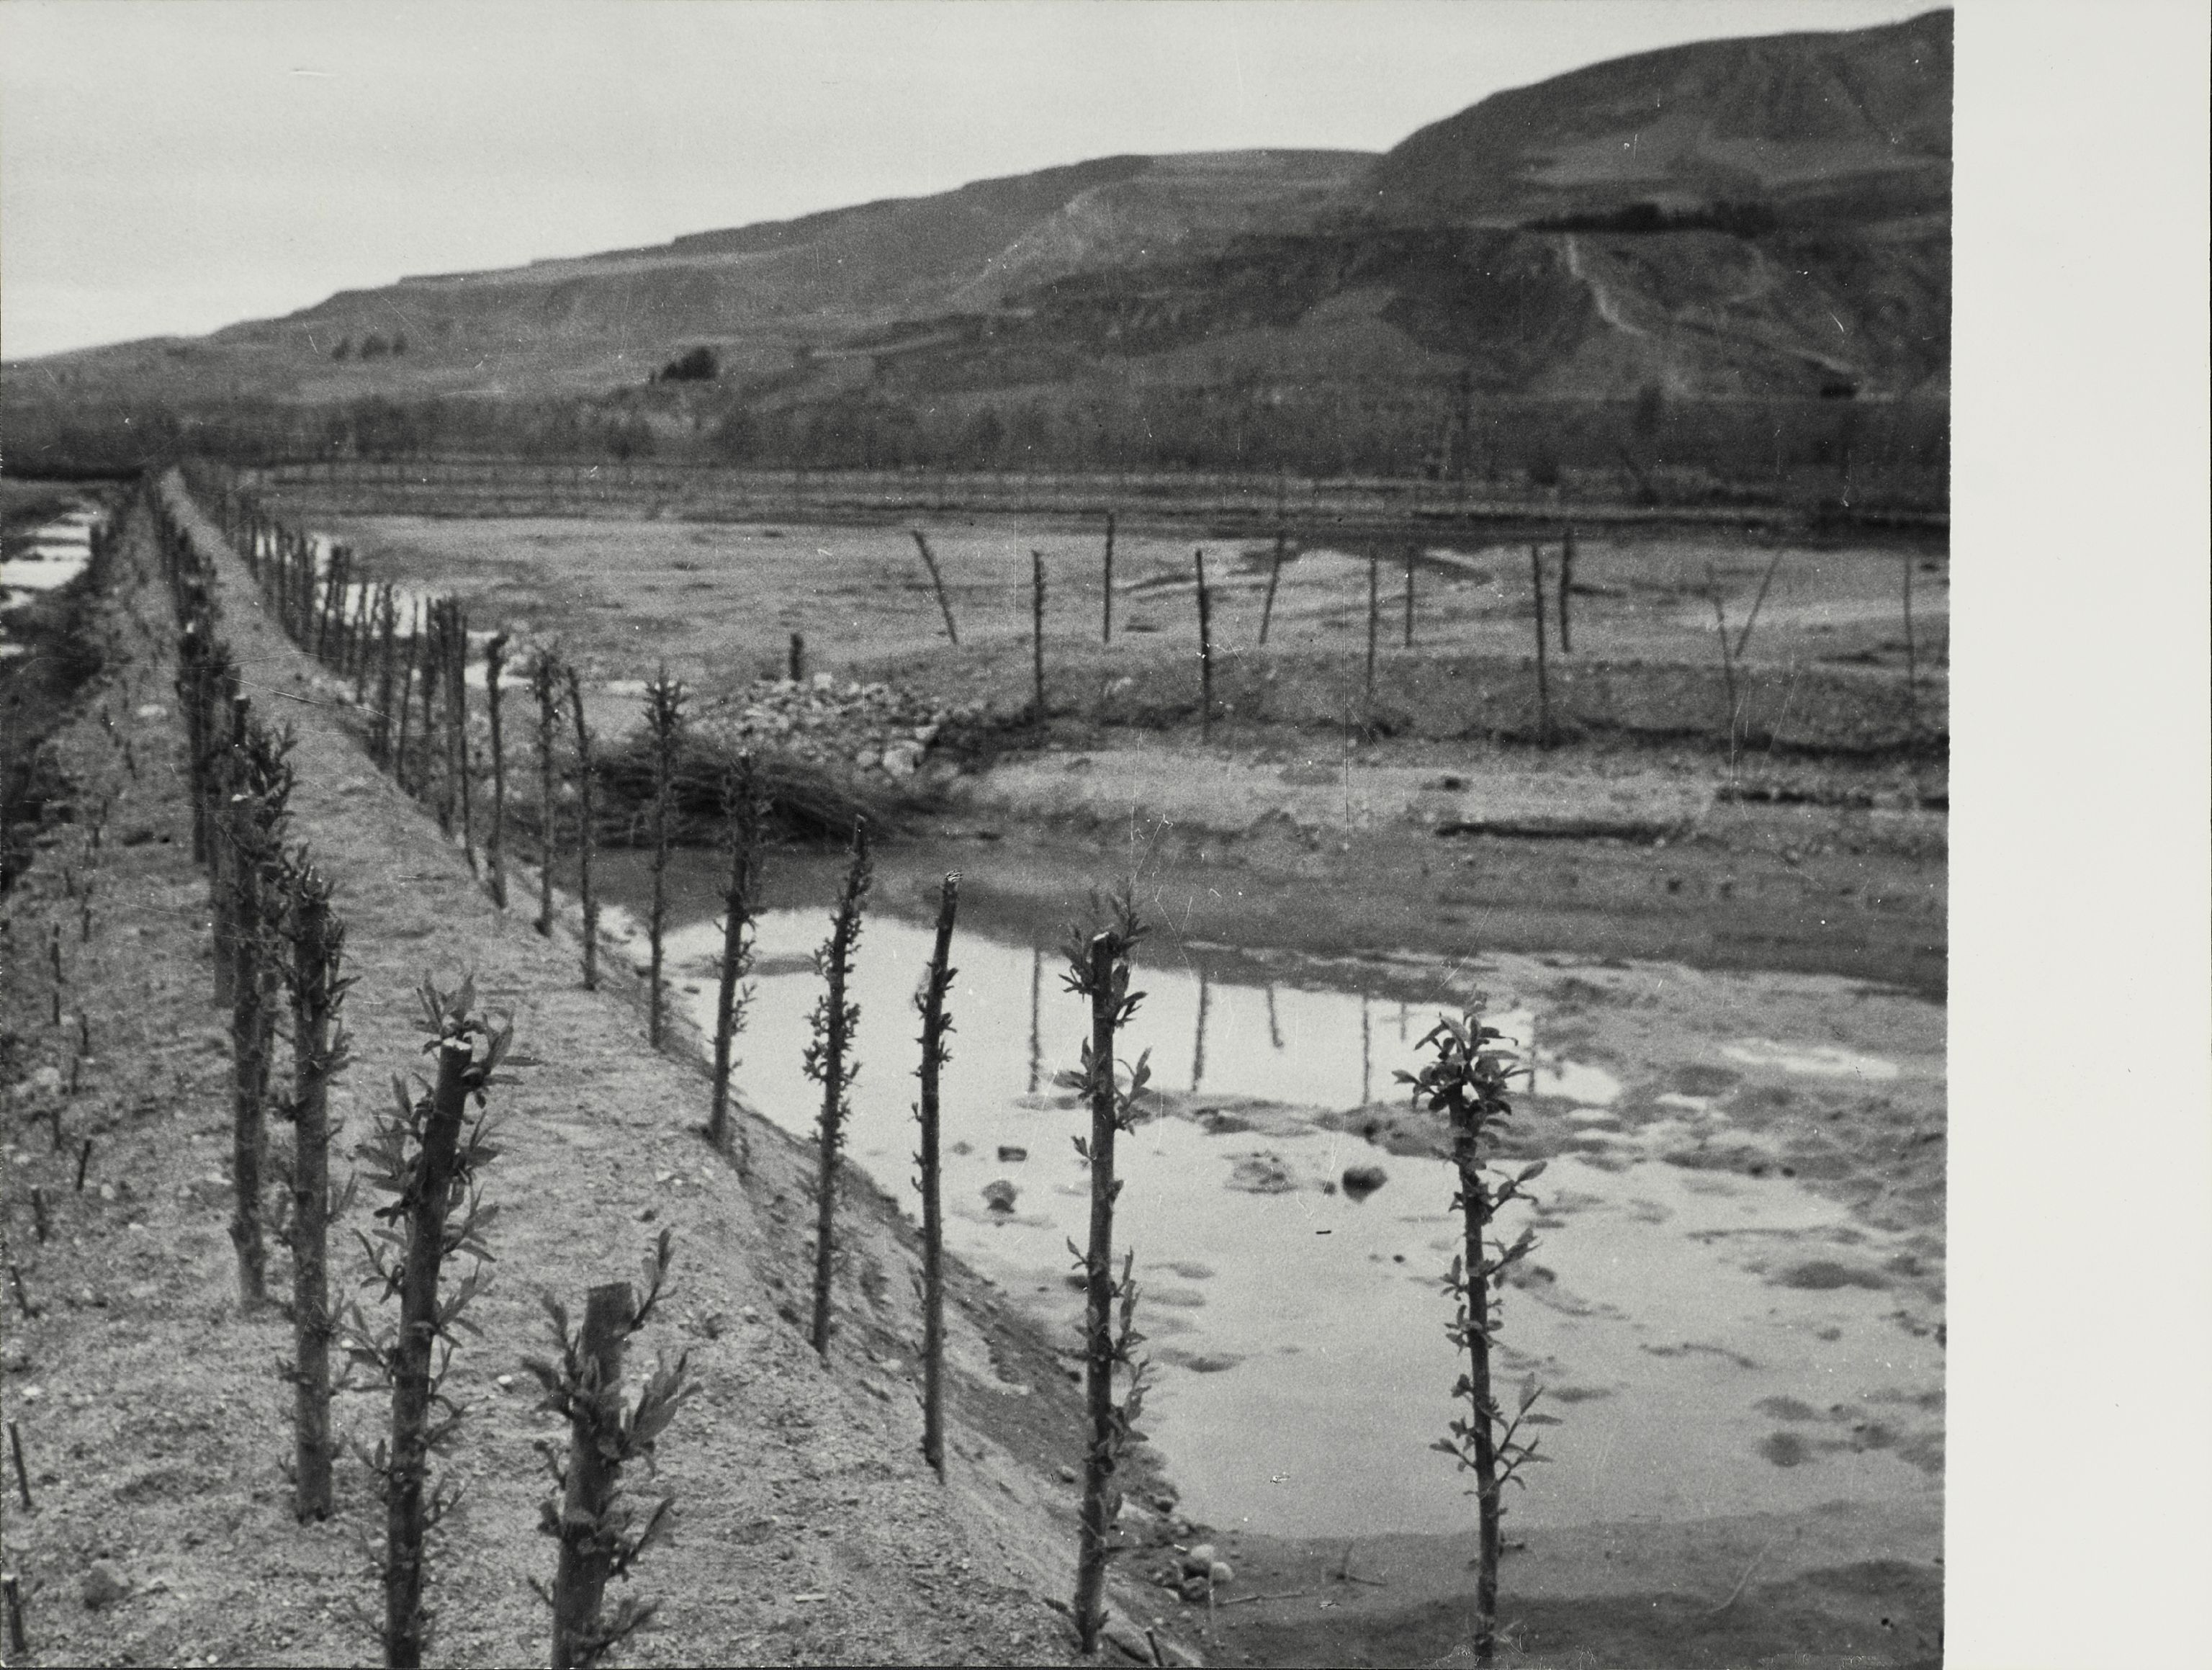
(401, 773)
(664, 718)
(935, 1024)
(1205, 649)
(1374, 625)
(584, 1386)
(421, 1155)
(458, 722)
(1106, 587)
(1274, 578)
(495, 842)
(1566, 585)
(545, 685)
(1412, 552)
(387, 631)
(580, 1578)
(1466, 1083)
(1543, 659)
(1727, 657)
(834, 1019)
(937, 584)
(1759, 598)
(742, 812)
(1099, 972)
(318, 1052)
(798, 658)
(256, 819)
(435, 751)
(586, 836)
(18, 1638)
(1037, 638)
(22, 1473)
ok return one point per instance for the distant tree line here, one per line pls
(1645, 445)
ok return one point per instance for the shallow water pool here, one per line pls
(1302, 1368)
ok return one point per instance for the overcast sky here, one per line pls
(171, 168)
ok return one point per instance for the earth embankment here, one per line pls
(152, 1415)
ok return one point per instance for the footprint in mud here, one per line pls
(1688, 1347)
(1825, 1275)
(1200, 1363)
(1787, 1409)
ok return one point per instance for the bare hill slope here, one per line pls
(1764, 219)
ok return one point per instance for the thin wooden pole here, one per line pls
(1096, 1523)
(1543, 658)
(317, 992)
(1274, 578)
(1374, 625)
(936, 582)
(1727, 659)
(495, 842)
(1566, 585)
(1036, 635)
(1106, 587)
(1410, 552)
(1765, 580)
(1204, 649)
(741, 815)
(935, 1023)
(584, 833)
(544, 673)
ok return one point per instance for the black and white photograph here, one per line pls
(933, 831)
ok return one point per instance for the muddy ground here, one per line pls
(812, 1533)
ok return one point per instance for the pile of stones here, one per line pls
(867, 729)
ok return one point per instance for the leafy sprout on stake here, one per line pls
(1465, 1081)
(598, 1531)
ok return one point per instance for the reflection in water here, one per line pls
(1303, 1366)
(1366, 1054)
(1037, 995)
(1198, 1049)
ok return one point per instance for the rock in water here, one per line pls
(1260, 1174)
(1362, 1180)
(998, 1195)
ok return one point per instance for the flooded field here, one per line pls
(45, 559)
(1714, 1336)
